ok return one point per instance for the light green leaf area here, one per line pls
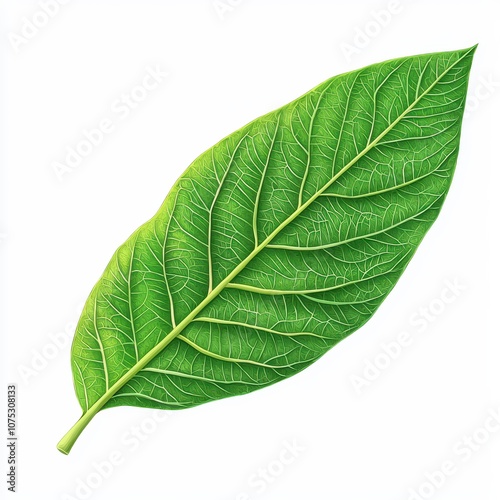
(276, 243)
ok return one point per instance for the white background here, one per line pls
(228, 65)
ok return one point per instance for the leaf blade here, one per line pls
(262, 236)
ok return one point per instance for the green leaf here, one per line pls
(276, 243)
